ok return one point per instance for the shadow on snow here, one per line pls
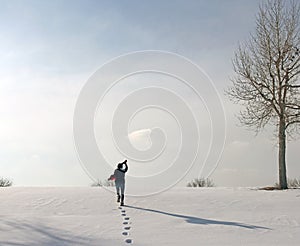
(28, 234)
(201, 221)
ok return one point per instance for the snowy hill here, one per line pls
(181, 216)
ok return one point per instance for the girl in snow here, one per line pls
(119, 178)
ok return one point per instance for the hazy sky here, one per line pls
(49, 49)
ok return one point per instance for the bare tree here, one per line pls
(267, 69)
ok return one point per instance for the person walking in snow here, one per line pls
(119, 178)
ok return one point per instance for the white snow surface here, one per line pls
(180, 216)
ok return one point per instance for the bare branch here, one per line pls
(267, 68)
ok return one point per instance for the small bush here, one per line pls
(97, 183)
(105, 183)
(292, 183)
(201, 182)
(5, 182)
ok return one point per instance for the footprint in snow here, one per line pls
(126, 228)
(128, 240)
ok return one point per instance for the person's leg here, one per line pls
(122, 187)
(118, 192)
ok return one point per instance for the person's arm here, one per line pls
(112, 177)
(126, 167)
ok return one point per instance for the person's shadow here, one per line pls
(201, 221)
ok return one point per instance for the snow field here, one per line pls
(181, 216)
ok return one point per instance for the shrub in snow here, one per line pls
(106, 183)
(97, 183)
(201, 182)
(292, 183)
(5, 182)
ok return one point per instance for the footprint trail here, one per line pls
(126, 228)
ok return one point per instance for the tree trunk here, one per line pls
(281, 155)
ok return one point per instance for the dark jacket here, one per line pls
(119, 173)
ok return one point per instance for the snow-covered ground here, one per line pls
(181, 216)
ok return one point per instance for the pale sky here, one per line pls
(49, 49)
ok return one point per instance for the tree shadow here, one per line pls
(28, 234)
(201, 221)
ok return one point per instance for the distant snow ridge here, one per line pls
(126, 224)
